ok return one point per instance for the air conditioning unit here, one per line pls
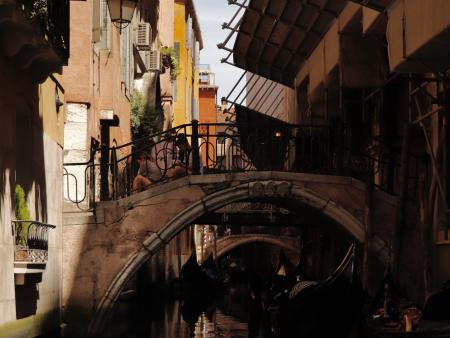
(154, 60)
(143, 37)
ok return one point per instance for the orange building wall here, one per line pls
(208, 114)
(77, 78)
(94, 78)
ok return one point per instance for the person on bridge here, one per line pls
(183, 164)
(148, 173)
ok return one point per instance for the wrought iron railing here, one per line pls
(31, 241)
(53, 17)
(113, 173)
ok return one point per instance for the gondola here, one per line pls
(209, 267)
(327, 308)
(277, 288)
(199, 290)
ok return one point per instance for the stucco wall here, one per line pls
(180, 104)
(166, 22)
(77, 77)
(30, 155)
(7, 181)
(93, 78)
(208, 114)
(186, 103)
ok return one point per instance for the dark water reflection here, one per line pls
(235, 315)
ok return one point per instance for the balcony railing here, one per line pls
(214, 148)
(31, 241)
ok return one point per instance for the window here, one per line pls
(126, 57)
(204, 78)
(101, 25)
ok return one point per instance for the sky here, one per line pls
(211, 14)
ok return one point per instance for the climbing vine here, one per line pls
(170, 60)
(144, 120)
(22, 213)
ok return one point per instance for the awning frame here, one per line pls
(279, 74)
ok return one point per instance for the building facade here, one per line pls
(371, 78)
(208, 113)
(35, 46)
(187, 43)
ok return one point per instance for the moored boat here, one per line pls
(199, 290)
(410, 322)
(327, 308)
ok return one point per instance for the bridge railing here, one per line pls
(116, 172)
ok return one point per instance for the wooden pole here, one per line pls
(202, 242)
(178, 245)
(426, 207)
(215, 243)
(368, 224)
(401, 205)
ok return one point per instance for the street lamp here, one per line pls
(121, 12)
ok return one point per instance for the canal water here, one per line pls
(234, 315)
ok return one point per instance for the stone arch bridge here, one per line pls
(102, 253)
(228, 243)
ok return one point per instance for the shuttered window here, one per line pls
(101, 25)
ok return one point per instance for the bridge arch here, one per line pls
(231, 242)
(288, 190)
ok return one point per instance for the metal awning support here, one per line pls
(275, 38)
(377, 5)
(233, 31)
(257, 102)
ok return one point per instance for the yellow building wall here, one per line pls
(197, 90)
(188, 80)
(53, 120)
(180, 107)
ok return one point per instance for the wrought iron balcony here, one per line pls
(31, 241)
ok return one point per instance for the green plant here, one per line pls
(144, 120)
(22, 213)
(171, 54)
